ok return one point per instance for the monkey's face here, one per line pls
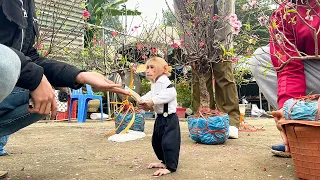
(151, 71)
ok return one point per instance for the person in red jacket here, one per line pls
(292, 48)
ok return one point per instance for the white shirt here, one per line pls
(161, 95)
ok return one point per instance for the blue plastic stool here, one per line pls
(83, 100)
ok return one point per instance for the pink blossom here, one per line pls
(249, 52)
(117, 54)
(136, 27)
(165, 52)
(139, 47)
(235, 59)
(253, 4)
(233, 18)
(181, 43)
(94, 42)
(185, 76)
(39, 46)
(154, 50)
(114, 33)
(144, 57)
(134, 67)
(188, 33)
(201, 44)
(188, 1)
(132, 29)
(86, 14)
(175, 45)
(45, 52)
(94, 36)
(263, 20)
(236, 27)
(101, 41)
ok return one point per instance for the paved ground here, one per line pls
(58, 150)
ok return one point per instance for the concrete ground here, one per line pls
(59, 150)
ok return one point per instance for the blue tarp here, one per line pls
(213, 130)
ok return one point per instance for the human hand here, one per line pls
(100, 82)
(44, 99)
(278, 115)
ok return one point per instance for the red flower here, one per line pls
(175, 45)
(95, 42)
(86, 14)
(45, 52)
(101, 41)
(114, 33)
(235, 59)
(94, 36)
(136, 27)
(201, 44)
(215, 17)
(165, 52)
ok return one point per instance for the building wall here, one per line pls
(61, 25)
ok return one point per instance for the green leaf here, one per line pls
(116, 4)
(223, 49)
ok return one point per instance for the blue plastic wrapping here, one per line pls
(212, 130)
(138, 124)
(300, 110)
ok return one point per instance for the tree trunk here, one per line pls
(204, 94)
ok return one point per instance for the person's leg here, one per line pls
(10, 66)
(265, 74)
(266, 78)
(3, 142)
(14, 114)
(226, 94)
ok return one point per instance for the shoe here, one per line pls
(280, 151)
(3, 174)
(3, 153)
(233, 132)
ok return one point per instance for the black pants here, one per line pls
(166, 140)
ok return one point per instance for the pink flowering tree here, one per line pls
(293, 20)
(215, 33)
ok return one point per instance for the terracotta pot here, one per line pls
(181, 112)
(304, 143)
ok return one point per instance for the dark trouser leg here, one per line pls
(171, 141)
(196, 91)
(157, 140)
(226, 92)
